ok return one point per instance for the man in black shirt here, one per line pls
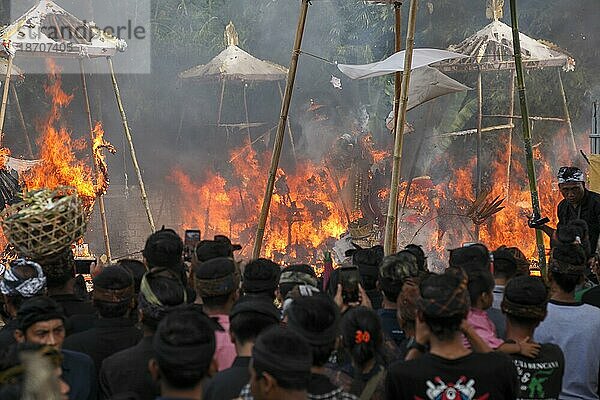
(280, 368)
(578, 203)
(41, 321)
(249, 317)
(184, 347)
(525, 302)
(449, 370)
(125, 374)
(114, 330)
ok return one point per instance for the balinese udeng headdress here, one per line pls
(324, 336)
(149, 303)
(216, 277)
(525, 297)
(285, 366)
(570, 174)
(113, 295)
(13, 284)
(440, 304)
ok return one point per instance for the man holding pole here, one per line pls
(578, 203)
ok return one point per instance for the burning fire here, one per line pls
(436, 211)
(305, 215)
(4, 153)
(59, 165)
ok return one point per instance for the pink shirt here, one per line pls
(225, 350)
(484, 327)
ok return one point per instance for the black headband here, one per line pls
(531, 311)
(27, 320)
(263, 307)
(272, 362)
(322, 338)
(194, 356)
(259, 285)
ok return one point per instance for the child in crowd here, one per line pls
(481, 287)
(362, 339)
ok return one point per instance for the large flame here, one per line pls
(307, 212)
(438, 210)
(59, 164)
(305, 215)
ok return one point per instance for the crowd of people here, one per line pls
(379, 327)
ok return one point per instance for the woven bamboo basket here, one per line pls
(45, 222)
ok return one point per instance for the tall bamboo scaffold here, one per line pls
(285, 108)
(397, 81)
(535, 201)
(391, 220)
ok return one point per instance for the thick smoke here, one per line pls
(174, 122)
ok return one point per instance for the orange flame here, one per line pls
(59, 165)
(304, 212)
(4, 153)
(307, 214)
(437, 209)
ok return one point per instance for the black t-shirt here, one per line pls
(109, 336)
(228, 383)
(592, 296)
(540, 377)
(588, 210)
(476, 376)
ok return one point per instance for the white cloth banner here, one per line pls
(395, 63)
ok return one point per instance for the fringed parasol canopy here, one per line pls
(491, 48)
(234, 64)
(48, 30)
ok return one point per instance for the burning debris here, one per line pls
(59, 164)
(305, 216)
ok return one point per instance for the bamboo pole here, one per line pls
(285, 108)
(398, 47)
(399, 137)
(511, 112)
(5, 96)
(127, 132)
(479, 127)
(397, 93)
(289, 127)
(22, 121)
(101, 206)
(411, 177)
(413, 167)
(535, 201)
(247, 116)
(566, 111)
(472, 131)
(531, 118)
(221, 103)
